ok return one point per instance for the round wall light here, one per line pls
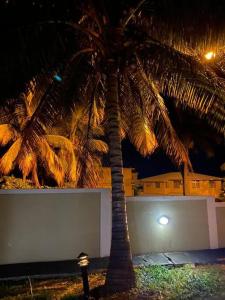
(163, 220)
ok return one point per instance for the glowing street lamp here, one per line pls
(210, 55)
(83, 263)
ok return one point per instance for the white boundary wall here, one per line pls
(192, 223)
(54, 224)
(184, 210)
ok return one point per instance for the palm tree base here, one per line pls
(119, 279)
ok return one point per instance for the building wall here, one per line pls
(105, 180)
(161, 188)
(205, 189)
(171, 187)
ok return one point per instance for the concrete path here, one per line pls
(70, 267)
(181, 258)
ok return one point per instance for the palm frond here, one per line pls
(12, 111)
(98, 146)
(157, 113)
(8, 159)
(141, 136)
(66, 155)
(88, 171)
(7, 134)
(26, 162)
(51, 161)
(35, 90)
(134, 120)
(200, 24)
(183, 77)
(78, 115)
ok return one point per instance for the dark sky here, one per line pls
(159, 163)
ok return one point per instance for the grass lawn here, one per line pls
(154, 282)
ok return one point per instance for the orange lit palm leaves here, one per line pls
(75, 159)
(17, 117)
(85, 133)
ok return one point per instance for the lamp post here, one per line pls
(83, 263)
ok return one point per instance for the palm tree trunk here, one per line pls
(120, 274)
(185, 176)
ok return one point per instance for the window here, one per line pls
(195, 184)
(176, 184)
(157, 185)
(212, 184)
(150, 184)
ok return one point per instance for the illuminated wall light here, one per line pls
(163, 220)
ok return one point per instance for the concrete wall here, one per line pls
(220, 217)
(50, 225)
(187, 228)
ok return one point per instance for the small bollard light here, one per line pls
(83, 263)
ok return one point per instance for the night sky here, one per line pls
(159, 163)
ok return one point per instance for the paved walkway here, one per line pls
(181, 258)
(69, 267)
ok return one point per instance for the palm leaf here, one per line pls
(142, 137)
(51, 162)
(7, 134)
(6, 162)
(66, 154)
(134, 120)
(88, 170)
(157, 113)
(98, 146)
(183, 77)
(27, 162)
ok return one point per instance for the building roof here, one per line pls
(178, 176)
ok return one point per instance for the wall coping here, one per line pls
(168, 198)
(52, 191)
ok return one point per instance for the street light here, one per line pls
(83, 263)
(210, 55)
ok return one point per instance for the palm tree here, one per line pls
(16, 115)
(123, 58)
(73, 156)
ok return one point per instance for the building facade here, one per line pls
(130, 177)
(172, 184)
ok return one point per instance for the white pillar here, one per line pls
(212, 223)
(105, 222)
